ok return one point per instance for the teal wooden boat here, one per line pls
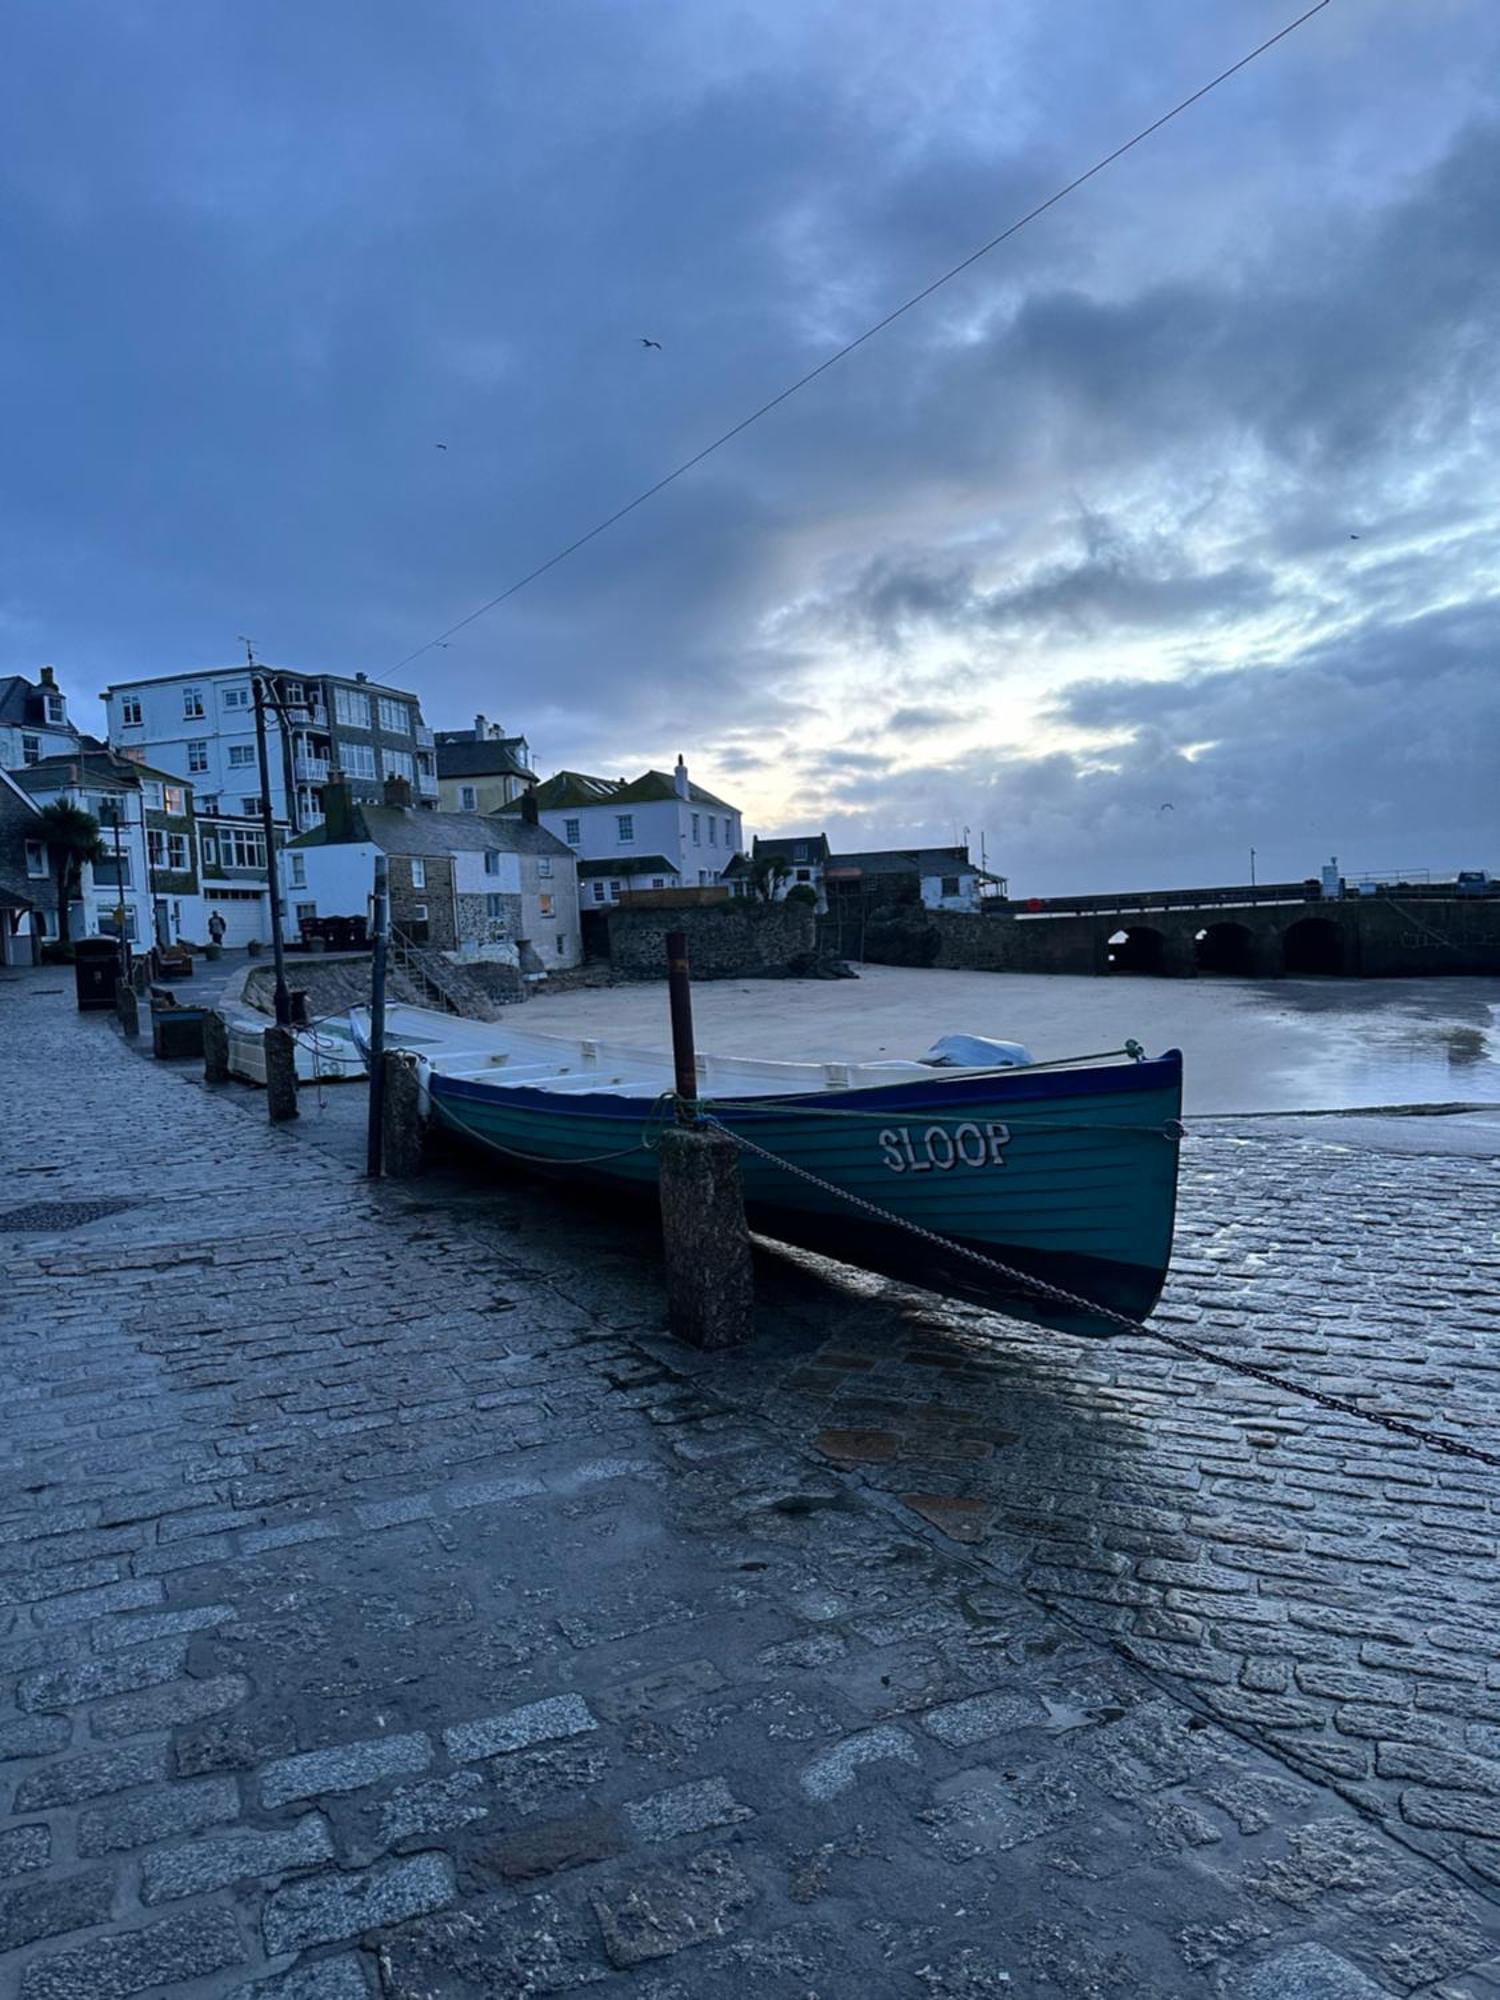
(1066, 1172)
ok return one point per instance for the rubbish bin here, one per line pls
(96, 967)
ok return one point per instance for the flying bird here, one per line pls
(649, 343)
(1354, 538)
(440, 447)
(1165, 809)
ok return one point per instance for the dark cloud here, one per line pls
(260, 260)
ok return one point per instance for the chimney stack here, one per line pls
(338, 811)
(528, 806)
(481, 729)
(680, 778)
(47, 677)
(397, 792)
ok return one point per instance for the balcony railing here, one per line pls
(427, 784)
(424, 736)
(311, 770)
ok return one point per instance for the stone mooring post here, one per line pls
(281, 1074)
(215, 1049)
(710, 1275)
(402, 1127)
(128, 1008)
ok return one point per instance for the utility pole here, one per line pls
(1252, 868)
(266, 695)
(380, 915)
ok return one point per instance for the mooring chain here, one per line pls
(1041, 1288)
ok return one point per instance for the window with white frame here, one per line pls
(492, 861)
(174, 799)
(151, 795)
(241, 755)
(31, 749)
(36, 857)
(197, 757)
(615, 888)
(625, 827)
(109, 920)
(571, 832)
(297, 867)
(358, 759)
(468, 799)
(713, 831)
(544, 864)
(235, 697)
(210, 850)
(351, 708)
(697, 842)
(112, 871)
(494, 907)
(799, 852)
(657, 882)
(55, 709)
(243, 847)
(398, 764)
(192, 703)
(130, 711)
(418, 872)
(601, 893)
(395, 716)
(544, 904)
(251, 807)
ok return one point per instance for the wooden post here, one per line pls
(680, 1001)
(215, 1049)
(280, 1049)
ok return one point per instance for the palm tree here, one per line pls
(72, 838)
(768, 872)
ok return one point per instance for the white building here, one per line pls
(33, 721)
(658, 831)
(147, 883)
(201, 727)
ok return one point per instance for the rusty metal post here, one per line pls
(680, 1000)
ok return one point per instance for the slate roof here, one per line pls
(906, 861)
(570, 789)
(496, 757)
(780, 847)
(22, 706)
(95, 766)
(410, 830)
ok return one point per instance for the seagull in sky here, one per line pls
(440, 447)
(650, 343)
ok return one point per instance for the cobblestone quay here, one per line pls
(386, 1608)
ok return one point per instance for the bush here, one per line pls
(802, 893)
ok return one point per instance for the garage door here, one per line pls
(245, 919)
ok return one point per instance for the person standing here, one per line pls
(216, 928)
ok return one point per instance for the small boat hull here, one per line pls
(1066, 1175)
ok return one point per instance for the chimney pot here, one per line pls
(480, 727)
(48, 679)
(397, 791)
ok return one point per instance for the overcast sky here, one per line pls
(1073, 543)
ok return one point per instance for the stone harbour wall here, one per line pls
(725, 940)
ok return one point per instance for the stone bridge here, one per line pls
(1371, 937)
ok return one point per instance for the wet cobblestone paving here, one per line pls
(386, 1609)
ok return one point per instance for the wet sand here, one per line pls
(1250, 1046)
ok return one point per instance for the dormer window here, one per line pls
(56, 709)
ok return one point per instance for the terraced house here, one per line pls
(657, 831)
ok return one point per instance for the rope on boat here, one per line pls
(1041, 1288)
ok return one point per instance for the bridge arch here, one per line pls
(1313, 944)
(1227, 948)
(1139, 949)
